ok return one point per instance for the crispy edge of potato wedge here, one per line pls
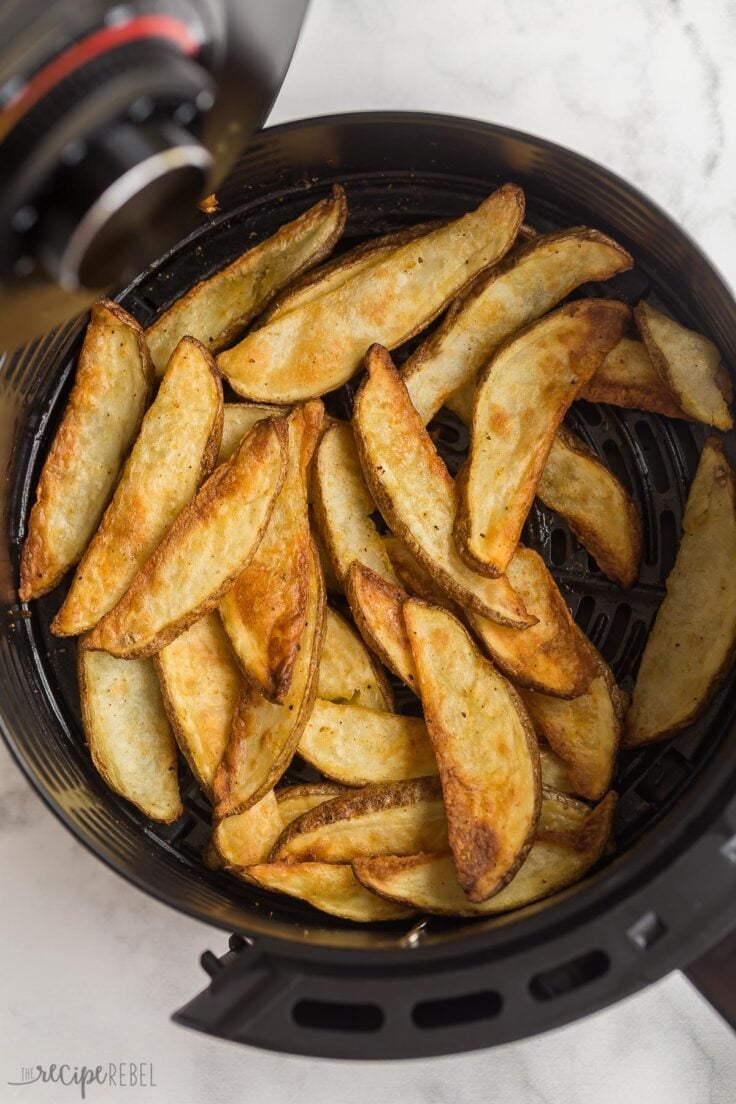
(264, 612)
(414, 576)
(265, 735)
(596, 506)
(415, 492)
(296, 800)
(485, 746)
(358, 746)
(329, 887)
(200, 683)
(174, 451)
(376, 606)
(128, 732)
(415, 807)
(348, 671)
(689, 364)
(527, 284)
(218, 308)
(234, 505)
(110, 390)
(691, 645)
(239, 419)
(429, 882)
(319, 346)
(628, 378)
(523, 393)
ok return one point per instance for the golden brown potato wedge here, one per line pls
(334, 273)
(399, 817)
(248, 837)
(519, 404)
(174, 451)
(377, 607)
(628, 378)
(265, 734)
(239, 419)
(201, 684)
(348, 672)
(320, 345)
(203, 553)
(128, 732)
(601, 513)
(217, 309)
(689, 364)
(264, 612)
(357, 746)
(100, 421)
(329, 887)
(294, 801)
(557, 859)
(553, 656)
(415, 492)
(486, 751)
(691, 645)
(527, 285)
(585, 732)
(414, 576)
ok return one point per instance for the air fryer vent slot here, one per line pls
(550, 984)
(454, 1011)
(337, 1016)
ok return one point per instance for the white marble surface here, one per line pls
(90, 967)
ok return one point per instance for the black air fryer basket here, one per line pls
(295, 979)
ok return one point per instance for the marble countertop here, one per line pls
(91, 968)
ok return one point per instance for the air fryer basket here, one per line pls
(298, 980)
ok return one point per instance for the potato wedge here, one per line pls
(691, 645)
(348, 673)
(294, 801)
(555, 772)
(377, 607)
(527, 285)
(217, 309)
(203, 553)
(239, 419)
(174, 451)
(320, 345)
(334, 273)
(264, 612)
(100, 421)
(128, 732)
(600, 512)
(414, 576)
(247, 838)
(265, 734)
(557, 859)
(689, 364)
(400, 817)
(553, 656)
(486, 751)
(519, 405)
(415, 492)
(201, 684)
(628, 378)
(585, 732)
(329, 887)
(357, 746)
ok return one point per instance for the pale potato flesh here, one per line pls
(217, 309)
(532, 281)
(201, 685)
(128, 732)
(329, 887)
(429, 882)
(239, 419)
(203, 553)
(356, 745)
(100, 422)
(690, 647)
(348, 673)
(485, 747)
(628, 378)
(520, 403)
(248, 837)
(415, 492)
(689, 364)
(320, 345)
(377, 607)
(174, 451)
